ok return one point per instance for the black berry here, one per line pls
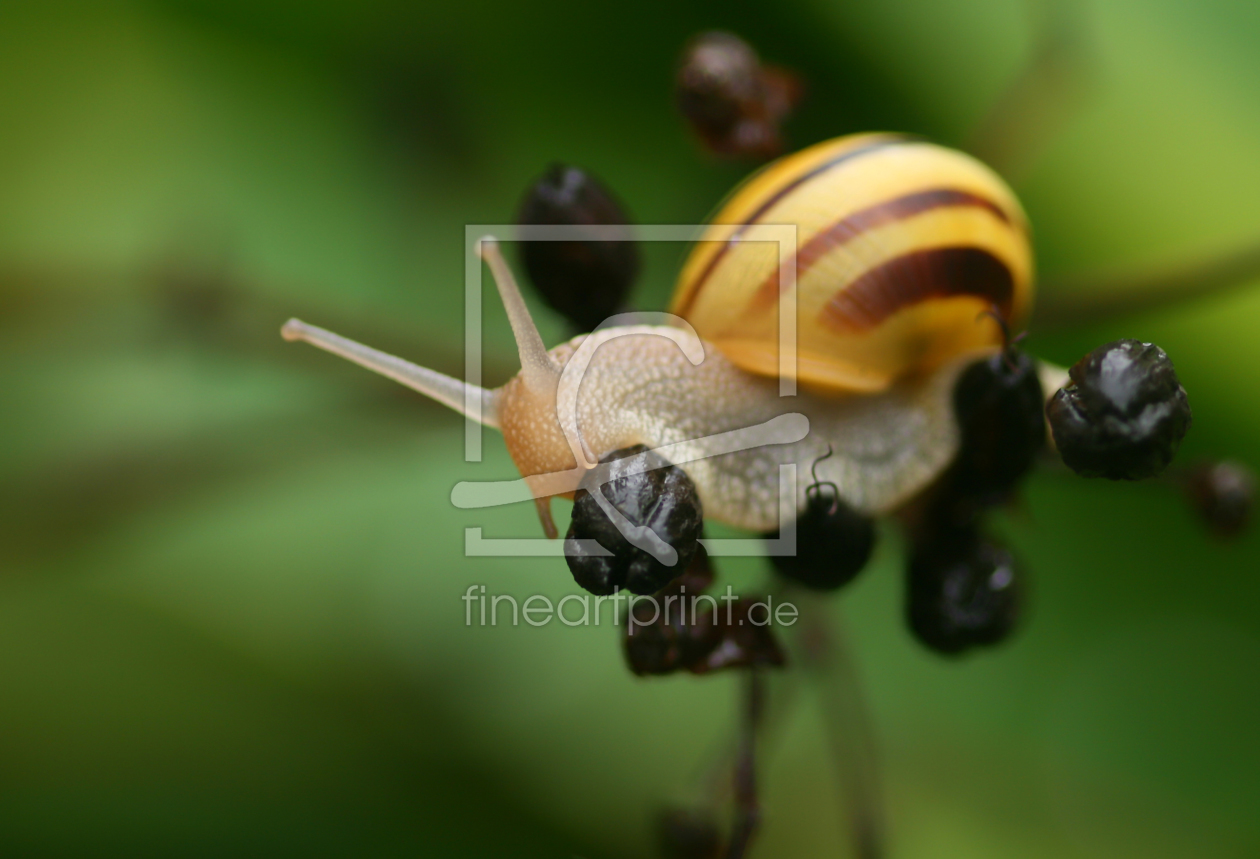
(1001, 415)
(833, 543)
(585, 280)
(732, 102)
(1222, 493)
(1123, 414)
(962, 591)
(661, 499)
(674, 631)
(669, 634)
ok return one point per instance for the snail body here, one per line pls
(886, 446)
(912, 264)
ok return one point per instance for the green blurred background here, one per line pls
(229, 605)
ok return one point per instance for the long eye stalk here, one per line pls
(538, 369)
(460, 396)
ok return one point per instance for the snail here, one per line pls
(912, 264)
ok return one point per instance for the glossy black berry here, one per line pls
(962, 591)
(1222, 493)
(661, 499)
(1122, 415)
(587, 280)
(833, 543)
(1001, 415)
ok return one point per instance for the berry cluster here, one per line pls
(1122, 416)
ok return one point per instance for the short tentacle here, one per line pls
(538, 369)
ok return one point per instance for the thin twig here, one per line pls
(1041, 97)
(1088, 299)
(710, 786)
(823, 654)
(747, 808)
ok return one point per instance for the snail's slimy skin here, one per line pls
(640, 388)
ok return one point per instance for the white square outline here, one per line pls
(783, 235)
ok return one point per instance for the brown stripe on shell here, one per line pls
(851, 226)
(774, 198)
(914, 277)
